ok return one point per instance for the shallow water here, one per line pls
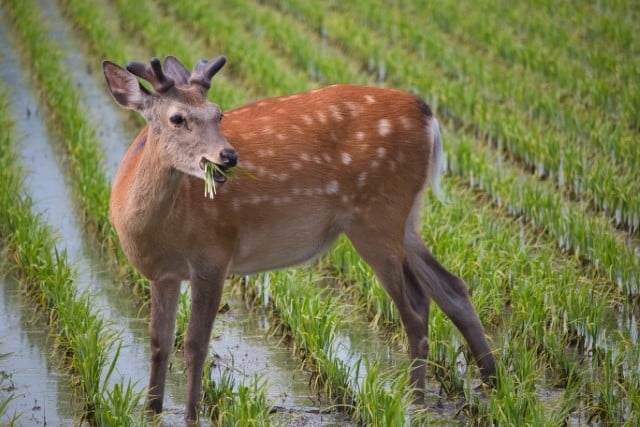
(42, 394)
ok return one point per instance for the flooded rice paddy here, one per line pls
(243, 345)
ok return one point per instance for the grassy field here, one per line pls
(539, 102)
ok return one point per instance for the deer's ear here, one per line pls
(125, 87)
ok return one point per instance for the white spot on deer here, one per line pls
(353, 108)
(304, 157)
(256, 199)
(346, 158)
(406, 123)
(384, 127)
(261, 104)
(281, 136)
(400, 157)
(332, 187)
(327, 157)
(382, 152)
(307, 119)
(267, 130)
(296, 129)
(280, 176)
(375, 164)
(317, 159)
(236, 204)
(307, 192)
(296, 165)
(322, 117)
(296, 191)
(360, 136)
(370, 99)
(335, 113)
(333, 136)
(362, 179)
(247, 165)
(344, 199)
(267, 152)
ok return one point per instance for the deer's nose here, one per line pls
(229, 157)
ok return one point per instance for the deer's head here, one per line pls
(182, 122)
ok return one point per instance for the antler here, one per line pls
(204, 71)
(174, 68)
(154, 74)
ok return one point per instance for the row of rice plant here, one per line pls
(83, 340)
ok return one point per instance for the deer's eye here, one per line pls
(177, 119)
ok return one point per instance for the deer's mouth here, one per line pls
(214, 170)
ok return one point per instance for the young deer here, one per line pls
(341, 159)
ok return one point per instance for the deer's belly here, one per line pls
(269, 251)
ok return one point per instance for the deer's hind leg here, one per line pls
(451, 294)
(384, 253)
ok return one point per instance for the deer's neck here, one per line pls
(144, 191)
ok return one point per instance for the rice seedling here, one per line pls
(229, 404)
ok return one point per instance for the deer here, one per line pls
(340, 160)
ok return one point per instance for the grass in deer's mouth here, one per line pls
(213, 173)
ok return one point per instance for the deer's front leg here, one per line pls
(205, 300)
(165, 294)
